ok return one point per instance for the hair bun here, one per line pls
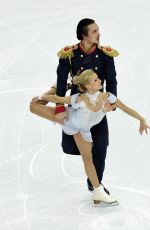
(75, 80)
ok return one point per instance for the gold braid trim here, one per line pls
(67, 52)
(109, 51)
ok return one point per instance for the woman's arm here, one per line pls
(57, 99)
(129, 111)
(53, 98)
(133, 113)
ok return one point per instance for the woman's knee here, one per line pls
(87, 158)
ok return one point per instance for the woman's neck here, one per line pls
(93, 96)
(92, 91)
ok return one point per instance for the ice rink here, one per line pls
(41, 188)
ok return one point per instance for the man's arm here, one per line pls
(63, 70)
(110, 78)
(110, 75)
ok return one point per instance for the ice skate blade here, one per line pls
(97, 201)
(115, 203)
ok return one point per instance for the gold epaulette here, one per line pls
(67, 51)
(109, 51)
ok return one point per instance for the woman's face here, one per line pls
(95, 82)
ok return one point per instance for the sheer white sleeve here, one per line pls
(112, 98)
(74, 104)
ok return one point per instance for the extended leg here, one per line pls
(39, 108)
(43, 111)
(51, 91)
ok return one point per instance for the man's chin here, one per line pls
(97, 42)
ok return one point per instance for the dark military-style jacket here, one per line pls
(74, 59)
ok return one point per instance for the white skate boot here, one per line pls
(99, 195)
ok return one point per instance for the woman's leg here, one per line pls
(85, 149)
(43, 110)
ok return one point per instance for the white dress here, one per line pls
(82, 119)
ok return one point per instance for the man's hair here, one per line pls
(82, 27)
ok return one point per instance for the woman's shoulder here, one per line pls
(75, 100)
(81, 97)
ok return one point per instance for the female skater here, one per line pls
(86, 110)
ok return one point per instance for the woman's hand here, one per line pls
(60, 117)
(107, 107)
(143, 127)
(36, 99)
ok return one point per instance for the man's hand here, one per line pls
(113, 106)
(60, 117)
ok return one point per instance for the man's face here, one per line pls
(93, 34)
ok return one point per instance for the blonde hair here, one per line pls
(83, 79)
